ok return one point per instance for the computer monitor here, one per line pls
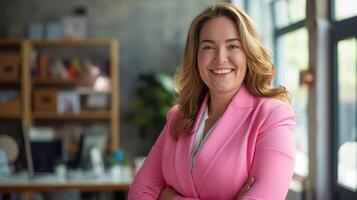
(45, 154)
(41, 155)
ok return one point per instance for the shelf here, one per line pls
(71, 42)
(16, 115)
(85, 115)
(11, 42)
(10, 80)
(28, 85)
(54, 81)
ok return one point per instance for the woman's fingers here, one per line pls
(246, 187)
(248, 184)
(168, 193)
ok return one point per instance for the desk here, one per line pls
(80, 181)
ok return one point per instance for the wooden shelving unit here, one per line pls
(11, 42)
(16, 115)
(97, 42)
(10, 80)
(29, 83)
(18, 112)
(100, 115)
(52, 81)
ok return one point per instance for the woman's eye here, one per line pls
(233, 46)
(206, 48)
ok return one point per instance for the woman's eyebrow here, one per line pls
(209, 41)
(228, 40)
(233, 39)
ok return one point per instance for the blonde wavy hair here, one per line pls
(260, 69)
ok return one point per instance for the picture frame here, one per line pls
(68, 102)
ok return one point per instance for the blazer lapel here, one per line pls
(226, 128)
(200, 114)
(183, 155)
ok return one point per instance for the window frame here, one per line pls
(277, 33)
(340, 30)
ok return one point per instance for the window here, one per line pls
(347, 95)
(291, 57)
(346, 117)
(344, 9)
(344, 49)
(288, 12)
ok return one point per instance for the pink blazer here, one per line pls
(254, 137)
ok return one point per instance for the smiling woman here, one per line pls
(221, 60)
(231, 134)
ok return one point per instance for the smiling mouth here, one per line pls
(221, 71)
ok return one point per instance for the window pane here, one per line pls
(345, 9)
(287, 12)
(239, 3)
(292, 57)
(347, 134)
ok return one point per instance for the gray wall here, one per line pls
(151, 35)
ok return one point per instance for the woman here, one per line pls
(229, 126)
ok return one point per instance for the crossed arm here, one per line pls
(272, 166)
(169, 193)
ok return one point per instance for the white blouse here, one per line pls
(199, 138)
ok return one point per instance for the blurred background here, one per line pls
(85, 86)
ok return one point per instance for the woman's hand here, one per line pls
(246, 188)
(168, 193)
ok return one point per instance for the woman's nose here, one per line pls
(221, 56)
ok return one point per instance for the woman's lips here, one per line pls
(221, 71)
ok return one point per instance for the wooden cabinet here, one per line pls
(41, 81)
(12, 79)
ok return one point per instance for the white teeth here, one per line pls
(222, 71)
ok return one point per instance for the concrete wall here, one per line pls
(151, 35)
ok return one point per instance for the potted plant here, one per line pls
(155, 96)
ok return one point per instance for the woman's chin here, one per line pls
(224, 90)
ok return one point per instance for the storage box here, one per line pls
(11, 107)
(9, 65)
(45, 100)
(92, 101)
